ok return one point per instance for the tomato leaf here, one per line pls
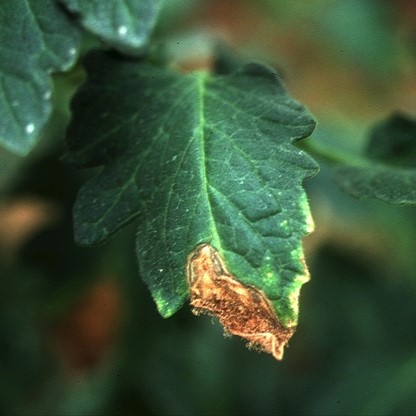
(123, 24)
(200, 159)
(387, 171)
(36, 39)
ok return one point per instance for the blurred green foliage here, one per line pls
(355, 349)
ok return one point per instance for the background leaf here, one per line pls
(36, 39)
(198, 158)
(125, 25)
(388, 172)
(393, 141)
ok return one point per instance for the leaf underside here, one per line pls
(36, 39)
(199, 159)
(388, 171)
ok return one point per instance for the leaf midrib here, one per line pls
(201, 86)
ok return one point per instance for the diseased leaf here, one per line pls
(200, 159)
(124, 24)
(388, 170)
(36, 39)
(243, 310)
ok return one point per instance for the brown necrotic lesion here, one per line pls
(243, 310)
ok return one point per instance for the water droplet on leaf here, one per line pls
(30, 128)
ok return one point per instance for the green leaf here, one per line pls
(199, 159)
(393, 141)
(36, 39)
(123, 24)
(388, 170)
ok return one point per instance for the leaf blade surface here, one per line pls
(124, 24)
(36, 39)
(387, 171)
(199, 159)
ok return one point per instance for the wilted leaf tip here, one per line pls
(242, 310)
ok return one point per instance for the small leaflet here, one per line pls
(243, 310)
